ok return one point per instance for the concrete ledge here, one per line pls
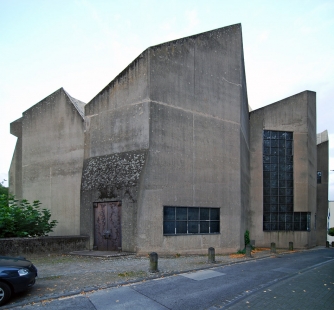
(42, 245)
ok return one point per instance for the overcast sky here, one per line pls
(82, 45)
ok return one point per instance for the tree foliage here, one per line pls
(3, 189)
(23, 219)
(331, 231)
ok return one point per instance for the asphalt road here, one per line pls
(303, 280)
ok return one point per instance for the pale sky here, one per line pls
(82, 45)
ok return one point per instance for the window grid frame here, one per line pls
(187, 220)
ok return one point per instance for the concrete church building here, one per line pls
(169, 158)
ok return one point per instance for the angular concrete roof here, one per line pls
(79, 105)
(322, 137)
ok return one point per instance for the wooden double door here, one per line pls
(107, 230)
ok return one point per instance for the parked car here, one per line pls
(16, 275)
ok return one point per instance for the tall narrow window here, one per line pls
(319, 174)
(278, 184)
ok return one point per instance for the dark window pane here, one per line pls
(289, 184)
(181, 214)
(288, 226)
(274, 208)
(214, 227)
(289, 208)
(289, 168)
(303, 226)
(289, 159)
(181, 227)
(282, 168)
(266, 208)
(282, 200)
(274, 143)
(273, 200)
(266, 217)
(274, 151)
(288, 151)
(266, 191)
(274, 159)
(204, 214)
(282, 183)
(214, 214)
(266, 226)
(319, 174)
(282, 208)
(266, 167)
(193, 213)
(282, 175)
(282, 159)
(281, 217)
(193, 227)
(303, 216)
(289, 176)
(274, 226)
(282, 135)
(266, 151)
(274, 217)
(169, 227)
(204, 227)
(266, 174)
(274, 135)
(282, 143)
(266, 183)
(266, 143)
(289, 199)
(289, 217)
(289, 135)
(288, 144)
(282, 191)
(266, 159)
(273, 183)
(296, 217)
(266, 134)
(296, 226)
(281, 226)
(289, 191)
(274, 191)
(281, 152)
(169, 213)
(274, 175)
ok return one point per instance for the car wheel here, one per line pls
(5, 293)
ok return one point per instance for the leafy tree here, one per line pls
(331, 231)
(23, 219)
(3, 189)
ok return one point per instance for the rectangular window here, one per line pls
(278, 184)
(191, 220)
(319, 174)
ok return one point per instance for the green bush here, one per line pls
(246, 238)
(331, 231)
(23, 219)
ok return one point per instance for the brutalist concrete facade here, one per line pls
(296, 114)
(322, 187)
(173, 130)
(47, 161)
(178, 116)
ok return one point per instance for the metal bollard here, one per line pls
(290, 246)
(332, 244)
(153, 262)
(327, 244)
(248, 250)
(211, 255)
(273, 247)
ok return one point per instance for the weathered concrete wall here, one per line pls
(183, 107)
(322, 189)
(52, 159)
(297, 114)
(43, 245)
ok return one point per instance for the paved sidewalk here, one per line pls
(308, 290)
